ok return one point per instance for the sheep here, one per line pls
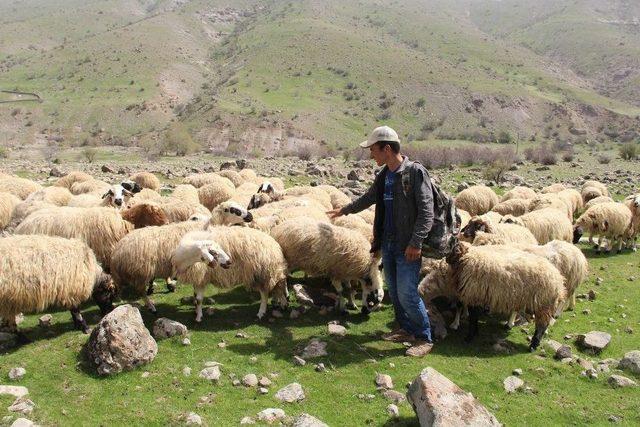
(115, 196)
(611, 221)
(553, 188)
(477, 200)
(573, 199)
(248, 175)
(146, 180)
(311, 193)
(338, 198)
(100, 228)
(17, 186)
(187, 193)
(58, 196)
(354, 222)
(211, 195)
(230, 213)
(25, 209)
(177, 210)
(515, 207)
(277, 183)
(38, 272)
(545, 225)
(8, 203)
(232, 176)
(369, 215)
(592, 189)
(144, 255)
(464, 218)
(325, 250)
(144, 215)
(247, 256)
(633, 203)
(550, 201)
(518, 193)
(198, 180)
(150, 195)
(72, 177)
(504, 279)
(89, 186)
(266, 194)
(481, 231)
(597, 200)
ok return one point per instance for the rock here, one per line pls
(614, 419)
(290, 393)
(512, 384)
(271, 415)
(241, 335)
(56, 172)
(247, 420)
(584, 364)
(186, 371)
(594, 341)
(211, 373)
(384, 381)
(227, 165)
(551, 346)
(45, 321)
(294, 314)
(250, 380)
(517, 372)
(591, 295)
(306, 420)
(438, 324)
(186, 341)
(120, 342)
(193, 419)
(22, 405)
(264, 382)
(631, 362)
(23, 422)
(336, 330)
(241, 163)
(315, 348)
(394, 396)
(16, 391)
(263, 390)
(563, 352)
(167, 328)
(621, 381)
(16, 374)
(462, 186)
(599, 281)
(439, 402)
(320, 367)
(299, 361)
(393, 410)
(107, 169)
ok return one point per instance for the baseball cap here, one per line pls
(382, 133)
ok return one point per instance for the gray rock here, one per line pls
(264, 382)
(271, 415)
(394, 396)
(193, 419)
(306, 420)
(16, 391)
(186, 371)
(167, 328)
(384, 381)
(22, 405)
(393, 411)
(16, 374)
(439, 402)
(23, 422)
(247, 420)
(186, 341)
(336, 330)
(290, 393)
(250, 380)
(56, 172)
(512, 384)
(620, 381)
(299, 361)
(631, 362)
(551, 346)
(315, 348)
(121, 342)
(211, 373)
(594, 341)
(563, 352)
(263, 390)
(45, 320)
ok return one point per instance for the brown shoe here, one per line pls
(419, 349)
(399, 335)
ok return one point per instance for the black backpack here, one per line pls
(446, 225)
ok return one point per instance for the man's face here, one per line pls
(378, 154)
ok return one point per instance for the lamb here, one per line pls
(325, 250)
(17, 186)
(38, 272)
(247, 256)
(611, 221)
(518, 193)
(477, 200)
(553, 188)
(100, 228)
(72, 177)
(8, 203)
(502, 278)
(146, 195)
(314, 193)
(545, 225)
(146, 180)
(479, 231)
(248, 175)
(515, 207)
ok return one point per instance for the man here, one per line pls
(404, 215)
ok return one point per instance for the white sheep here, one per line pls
(212, 194)
(515, 207)
(248, 257)
(338, 198)
(480, 231)
(553, 188)
(146, 180)
(200, 179)
(633, 203)
(232, 176)
(72, 177)
(39, 272)
(477, 200)
(592, 189)
(518, 193)
(550, 201)
(610, 221)
(89, 186)
(597, 200)
(545, 224)
(17, 186)
(573, 200)
(8, 203)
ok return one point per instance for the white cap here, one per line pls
(382, 133)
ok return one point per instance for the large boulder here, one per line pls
(121, 342)
(167, 328)
(439, 402)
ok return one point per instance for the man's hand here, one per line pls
(335, 213)
(412, 254)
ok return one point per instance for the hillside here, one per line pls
(261, 76)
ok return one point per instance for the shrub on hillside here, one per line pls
(505, 137)
(629, 151)
(604, 159)
(438, 157)
(542, 154)
(90, 154)
(496, 170)
(176, 139)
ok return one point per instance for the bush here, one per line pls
(567, 156)
(90, 153)
(4, 153)
(604, 159)
(629, 151)
(496, 170)
(439, 157)
(505, 137)
(177, 139)
(541, 154)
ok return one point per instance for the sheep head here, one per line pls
(475, 224)
(230, 213)
(259, 199)
(117, 196)
(438, 282)
(104, 292)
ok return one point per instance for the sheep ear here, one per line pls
(127, 193)
(107, 194)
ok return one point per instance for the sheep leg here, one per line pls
(199, 296)
(542, 323)
(78, 320)
(264, 298)
(474, 316)
(591, 242)
(337, 284)
(150, 305)
(620, 241)
(150, 288)
(171, 284)
(512, 320)
(351, 304)
(456, 321)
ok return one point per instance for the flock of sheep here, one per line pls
(83, 238)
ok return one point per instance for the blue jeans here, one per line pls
(402, 278)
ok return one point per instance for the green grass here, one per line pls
(67, 392)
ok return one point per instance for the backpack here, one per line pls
(446, 225)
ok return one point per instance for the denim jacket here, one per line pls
(412, 205)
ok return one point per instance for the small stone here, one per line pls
(594, 341)
(253, 359)
(563, 352)
(277, 314)
(264, 382)
(630, 362)
(320, 367)
(566, 360)
(16, 374)
(592, 373)
(263, 390)
(222, 344)
(16, 391)
(193, 419)
(337, 330)
(241, 335)
(250, 380)
(551, 346)
(23, 422)
(186, 371)
(384, 381)
(186, 341)
(306, 420)
(290, 393)
(591, 295)
(45, 321)
(517, 372)
(393, 410)
(145, 374)
(271, 415)
(614, 419)
(315, 348)
(394, 396)
(568, 337)
(511, 384)
(22, 405)
(299, 361)
(631, 278)
(294, 314)
(599, 281)
(584, 364)
(236, 383)
(211, 373)
(586, 311)
(247, 420)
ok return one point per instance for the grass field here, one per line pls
(66, 392)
